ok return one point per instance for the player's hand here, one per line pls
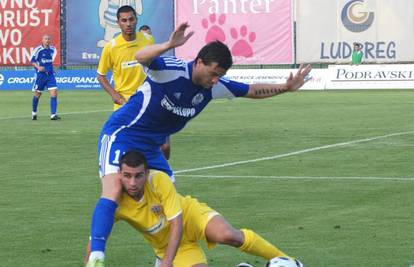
(295, 82)
(118, 99)
(40, 68)
(178, 37)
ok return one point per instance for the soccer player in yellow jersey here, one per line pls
(172, 224)
(118, 55)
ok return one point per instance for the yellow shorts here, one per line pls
(196, 216)
(189, 255)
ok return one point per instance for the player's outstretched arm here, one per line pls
(293, 83)
(146, 55)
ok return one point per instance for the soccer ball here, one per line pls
(283, 262)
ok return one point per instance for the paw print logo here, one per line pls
(242, 47)
(214, 31)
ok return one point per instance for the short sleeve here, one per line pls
(33, 59)
(105, 63)
(33, 55)
(54, 53)
(226, 88)
(157, 64)
(145, 39)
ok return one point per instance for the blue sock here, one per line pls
(35, 102)
(102, 222)
(53, 105)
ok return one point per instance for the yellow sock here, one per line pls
(256, 245)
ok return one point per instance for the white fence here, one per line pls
(392, 76)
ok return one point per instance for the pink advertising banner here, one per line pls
(256, 31)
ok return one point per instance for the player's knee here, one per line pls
(53, 93)
(231, 237)
(111, 187)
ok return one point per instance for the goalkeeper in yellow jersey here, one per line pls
(172, 224)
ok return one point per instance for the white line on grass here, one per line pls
(81, 112)
(67, 113)
(298, 177)
(293, 153)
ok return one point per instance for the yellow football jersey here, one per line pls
(162, 203)
(119, 56)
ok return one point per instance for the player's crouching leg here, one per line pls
(219, 230)
(103, 219)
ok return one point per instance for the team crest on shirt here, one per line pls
(156, 209)
(197, 99)
(177, 95)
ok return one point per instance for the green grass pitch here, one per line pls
(327, 176)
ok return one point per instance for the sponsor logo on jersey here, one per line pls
(46, 60)
(197, 99)
(157, 227)
(180, 111)
(129, 64)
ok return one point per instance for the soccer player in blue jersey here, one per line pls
(173, 93)
(42, 60)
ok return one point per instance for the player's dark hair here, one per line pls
(125, 9)
(144, 28)
(133, 159)
(217, 52)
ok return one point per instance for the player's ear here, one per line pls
(198, 61)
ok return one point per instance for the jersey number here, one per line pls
(117, 154)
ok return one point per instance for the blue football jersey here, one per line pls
(166, 102)
(44, 57)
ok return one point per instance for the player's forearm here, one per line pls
(146, 55)
(176, 231)
(293, 83)
(259, 91)
(37, 66)
(106, 85)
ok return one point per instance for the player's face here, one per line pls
(127, 22)
(133, 180)
(46, 40)
(206, 75)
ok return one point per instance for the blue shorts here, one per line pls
(44, 80)
(111, 148)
